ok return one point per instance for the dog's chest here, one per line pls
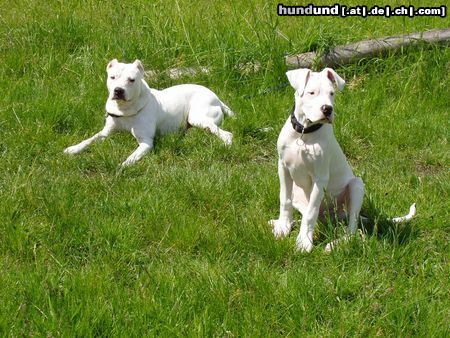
(301, 158)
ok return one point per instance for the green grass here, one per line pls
(179, 245)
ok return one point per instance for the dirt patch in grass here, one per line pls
(425, 169)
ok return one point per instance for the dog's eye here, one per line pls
(131, 80)
(332, 93)
(112, 77)
(311, 93)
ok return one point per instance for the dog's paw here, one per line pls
(129, 161)
(73, 150)
(280, 228)
(330, 246)
(333, 245)
(304, 244)
(227, 137)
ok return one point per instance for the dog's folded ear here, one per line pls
(139, 65)
(298, 79)
(335, 78)
(112, 63)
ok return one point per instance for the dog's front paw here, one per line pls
(73, 150)
(281, 228)
(304, 244)
(129, 161)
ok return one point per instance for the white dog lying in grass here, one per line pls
(133, 106)
(314, 174)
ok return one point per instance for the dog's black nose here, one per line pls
(327, 110)
(119, 92)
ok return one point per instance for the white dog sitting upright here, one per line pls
(314, 174)
(311, 161)
(133, 106)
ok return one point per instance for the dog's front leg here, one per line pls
(78, 148)
(309, 219)
(144, 146)
(282, 226)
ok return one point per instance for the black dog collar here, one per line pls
(299, 128)
(114, 115)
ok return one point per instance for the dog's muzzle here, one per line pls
(118, 94)
(326, 110)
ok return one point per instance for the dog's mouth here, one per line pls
(325, 120)
(118, 97)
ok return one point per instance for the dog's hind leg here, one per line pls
(208, 123)
(354, 204)
(353, 200)
(227, 110)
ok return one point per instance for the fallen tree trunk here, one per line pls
(344, 54)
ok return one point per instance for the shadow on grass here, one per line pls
(373, 223)
(380, 225)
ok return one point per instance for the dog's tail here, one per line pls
(401, 219)
(226, 109)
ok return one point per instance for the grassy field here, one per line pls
(178, 245)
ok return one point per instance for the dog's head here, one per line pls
(314, 94)
(124, 80)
